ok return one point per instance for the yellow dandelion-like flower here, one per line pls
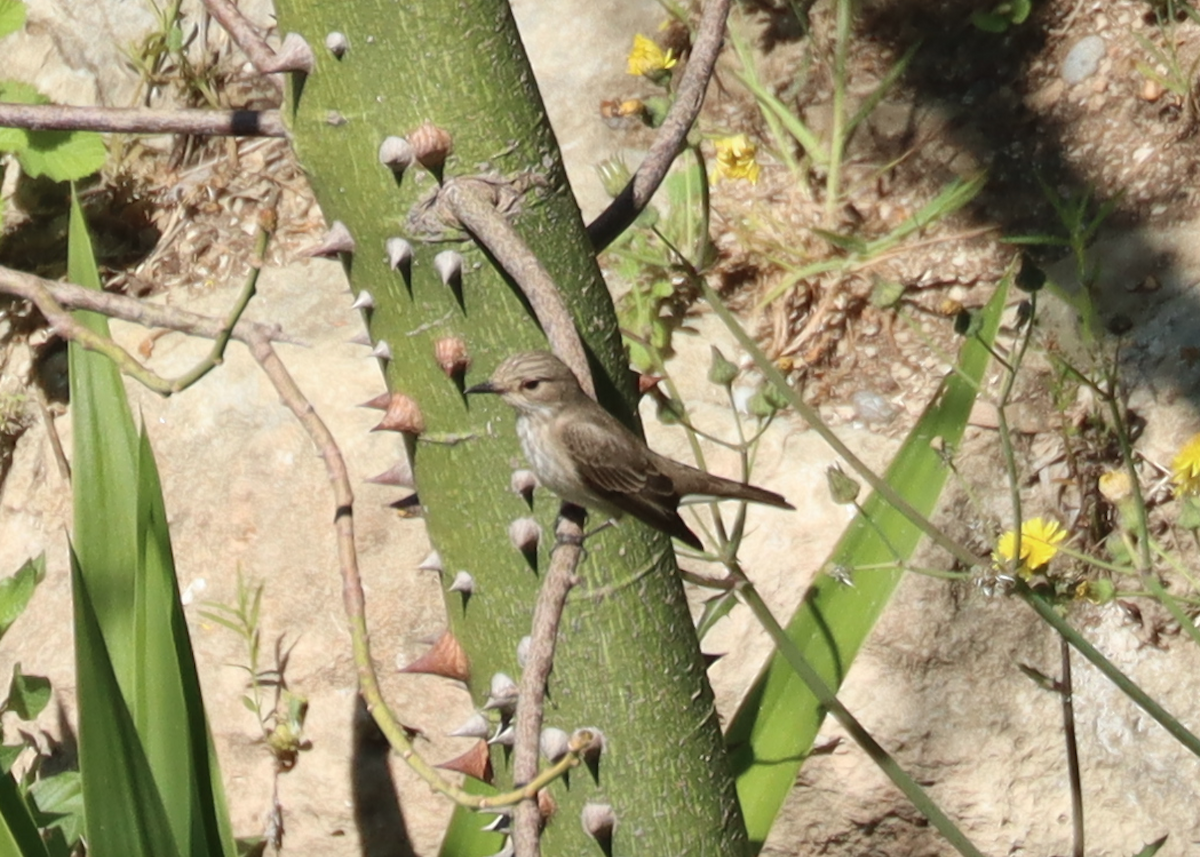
(1186, 467)
(1039, 544)
(735, 159)
(648, 59)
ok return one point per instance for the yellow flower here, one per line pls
(648, 59)
(1186, 467)
(1039, 544)
(735, 159)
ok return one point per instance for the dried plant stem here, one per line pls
(547, 614)
(492, 229)
(138, 120)
(293, 55)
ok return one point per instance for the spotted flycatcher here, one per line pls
(587, 457)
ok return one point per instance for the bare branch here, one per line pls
(293, 55)
(552, 598)
(688, 98)
(492, 229)
(27, 286)
(135, 120)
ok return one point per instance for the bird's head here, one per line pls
(532, 382)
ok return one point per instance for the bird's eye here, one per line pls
(531, 384)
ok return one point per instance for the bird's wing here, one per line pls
(619, 467)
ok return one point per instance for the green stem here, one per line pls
(1050, 615)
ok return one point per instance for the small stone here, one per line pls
(1083, 59)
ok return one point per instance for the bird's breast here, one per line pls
(551, 461)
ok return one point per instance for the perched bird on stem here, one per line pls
(586, 456)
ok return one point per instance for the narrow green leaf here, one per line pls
(19, 835)
(125, 812)
(1152, 848)
(15, 591)
(168, 705)
(125, 560)
(27, 694)
(774, 727)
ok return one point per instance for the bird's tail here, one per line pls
(692, 482)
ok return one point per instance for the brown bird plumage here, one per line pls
(587, 457)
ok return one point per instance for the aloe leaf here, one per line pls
(774, 727)
(125, 811)
(126, 582)
(19, 835)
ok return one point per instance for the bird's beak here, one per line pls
(485, 387)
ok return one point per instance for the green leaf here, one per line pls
(990, 22)
(16, 92)
(59, 803)
(9, 754)
(125, 814)
(12, 17)
(849, 243)
(1153, 848)
(774, 728)
(18, 831)
(28, 695)
(16, 591)
(715, 608)
(62, 155)
(1020, 11)
(143, 708)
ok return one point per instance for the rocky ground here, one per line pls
(1078, 99)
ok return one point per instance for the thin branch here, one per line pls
(1067, 691)
(27, 286)
(492, 229)
(141, 120)
(293, 55)
(547, 614)
(623, 210)
(355, 601)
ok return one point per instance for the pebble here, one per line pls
(871, 407)
(1083, 59)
